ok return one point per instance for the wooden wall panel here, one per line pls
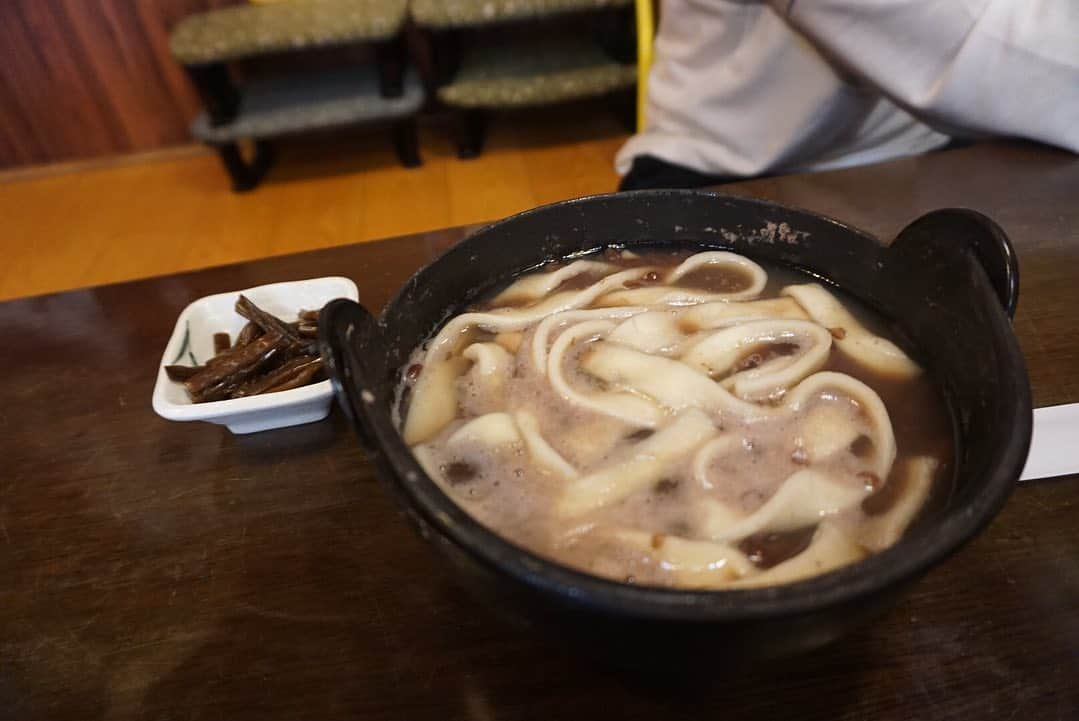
(83, 78)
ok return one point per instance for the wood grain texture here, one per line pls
(82, 79)
(134, 220)
(165, 570)
(90, 79)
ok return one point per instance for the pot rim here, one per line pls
(903, 562)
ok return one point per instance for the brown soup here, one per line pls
(676, 419)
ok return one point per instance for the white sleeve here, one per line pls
(1004, 67)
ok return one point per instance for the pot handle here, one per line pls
(983, 236)
(349, 337)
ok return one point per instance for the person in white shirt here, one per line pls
(744, 88)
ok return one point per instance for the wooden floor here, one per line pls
(129, 220)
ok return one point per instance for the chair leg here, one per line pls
(406, 144)
(471, 126)
(445, 55)
(615, 31)
(625, 108)
(265, 155)
(390, 60)
(219, 95)
(245, 175)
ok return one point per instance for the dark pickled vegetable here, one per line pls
(307, 330)
(181, 373)
(248, 333)
(217, 380)
(268, 323)
(269, 355)
(303, 366)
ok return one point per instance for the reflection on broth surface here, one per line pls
(678, 420)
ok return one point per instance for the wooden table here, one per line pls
(156, 570)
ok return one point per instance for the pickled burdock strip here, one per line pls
(268, 323)
(248, 333)
(304, 375)
(225, 388)
(243, 360)
(279, 376)
(181, 373)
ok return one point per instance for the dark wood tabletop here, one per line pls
(157, 570)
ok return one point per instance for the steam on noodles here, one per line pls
(680, 420)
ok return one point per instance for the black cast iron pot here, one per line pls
(949, 283)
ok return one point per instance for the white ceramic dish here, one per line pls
(192, 343)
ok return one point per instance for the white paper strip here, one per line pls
(1054, 448)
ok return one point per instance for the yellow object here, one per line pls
(645, 36)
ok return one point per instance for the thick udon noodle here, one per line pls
(639, 424)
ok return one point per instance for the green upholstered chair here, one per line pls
(541, 69)
(205, 43)
(535, 73)
(245, 31)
